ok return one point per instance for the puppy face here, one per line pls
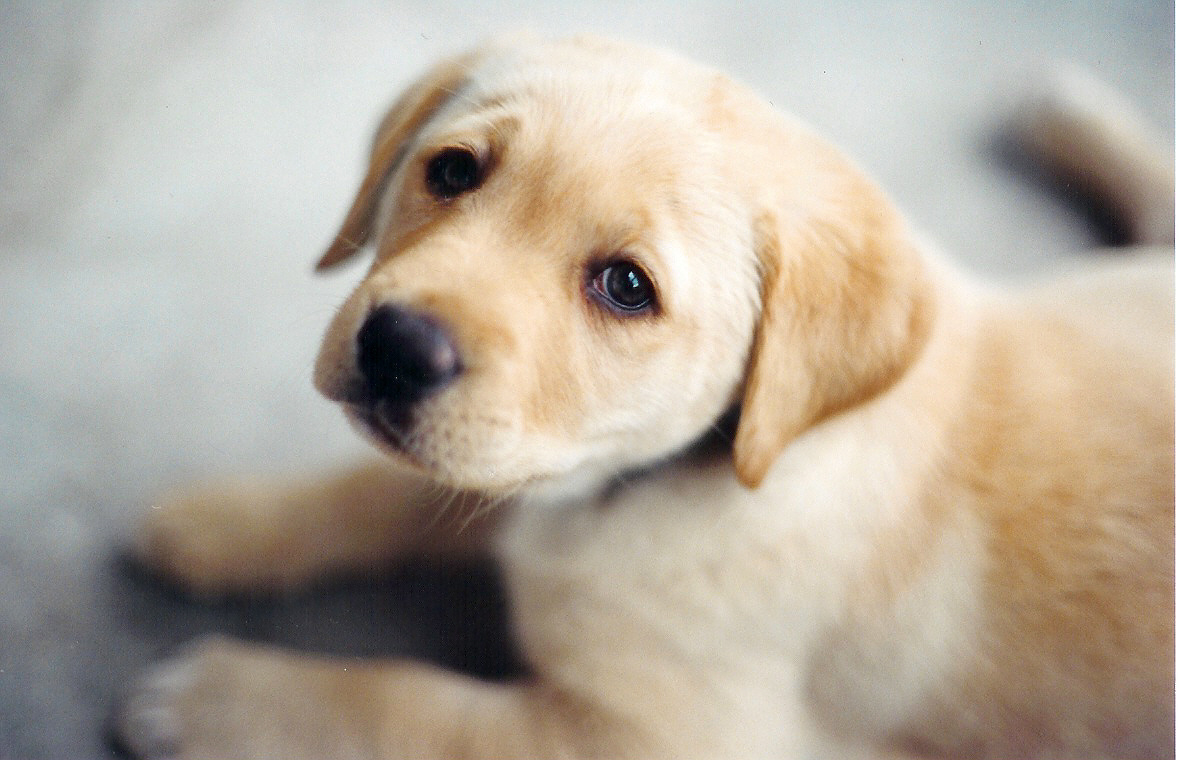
(574, 258)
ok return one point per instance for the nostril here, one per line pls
(404, 356)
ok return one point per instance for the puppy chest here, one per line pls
(906, 640)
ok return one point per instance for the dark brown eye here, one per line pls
(452, 172)
(625, 287)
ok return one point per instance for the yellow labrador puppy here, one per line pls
(768, 478)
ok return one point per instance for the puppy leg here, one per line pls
(258, 535)
(229, 700)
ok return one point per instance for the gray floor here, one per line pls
(169, 173)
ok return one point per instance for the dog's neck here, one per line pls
(714, 443)
(596, 488)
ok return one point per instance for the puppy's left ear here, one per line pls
(408, 114)
(846, 308)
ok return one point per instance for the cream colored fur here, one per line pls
(942, 525)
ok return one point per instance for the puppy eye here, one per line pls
(625, 287)
(452, 172)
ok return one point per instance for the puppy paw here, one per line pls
(218, 540)
(164, 713)
(225, 700)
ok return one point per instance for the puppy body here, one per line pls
(915, 606)
(942, 524)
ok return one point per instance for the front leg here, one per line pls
(272, 534)
(224, 700)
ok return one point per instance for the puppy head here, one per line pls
(588, 253)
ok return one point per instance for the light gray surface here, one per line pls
(168, 173)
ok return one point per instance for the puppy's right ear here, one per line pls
(400, 124)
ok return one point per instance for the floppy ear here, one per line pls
(403, 120)
(846, 308)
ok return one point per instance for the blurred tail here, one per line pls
(1090, 137)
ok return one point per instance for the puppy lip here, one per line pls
(374, 419)
(394, 438)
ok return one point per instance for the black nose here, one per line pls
(404, 356)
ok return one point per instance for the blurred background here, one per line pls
(169, 172)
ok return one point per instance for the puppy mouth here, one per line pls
(383, 423)
(390, 428)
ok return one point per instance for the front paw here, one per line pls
(225, 700)
(171, 710)
(219, 539)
